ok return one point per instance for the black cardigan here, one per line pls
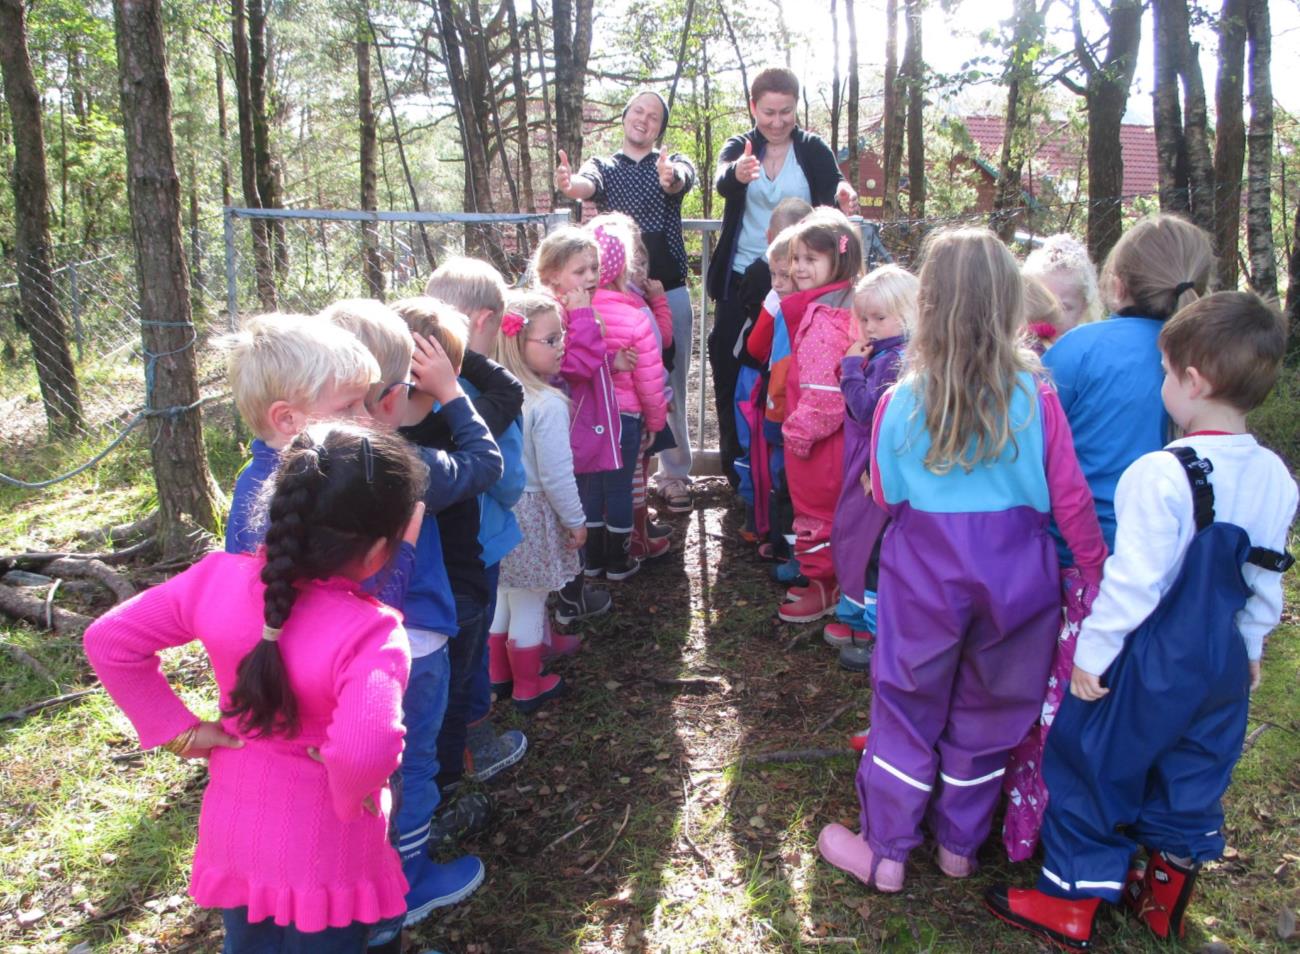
(819, 168)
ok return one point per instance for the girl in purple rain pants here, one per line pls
(969, 606)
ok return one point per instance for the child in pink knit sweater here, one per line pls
(293, 834)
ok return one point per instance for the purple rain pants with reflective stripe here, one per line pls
(969, 615)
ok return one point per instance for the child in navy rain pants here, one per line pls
(1144, 746)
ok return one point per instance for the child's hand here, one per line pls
(865, 480)
(412, 534)
(859, 348)
(577, 538)
(576, 298)
(432, 371)
(625, 359)
(1086, 686)
(369, 804)
(654, 288)
(1255, 675)
(208, 736)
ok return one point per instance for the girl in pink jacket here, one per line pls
(825, 260)
(629, 334)
(293, 834)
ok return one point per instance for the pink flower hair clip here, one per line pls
(844, 244)
(512, 323)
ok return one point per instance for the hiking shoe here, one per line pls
(590, 602)
(439, 885)
(676, 495)
(463, 817)
(488, 754)
(816, 601)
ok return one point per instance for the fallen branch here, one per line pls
(61, 621)
(91, 569)
(802, 635)
(830, 719)
(144, 527)
(567, 835)
(698, 682)
(1254, 737)
(36, 707)
(627, 813)
(39, 559)
(800, 755)
(28, 660)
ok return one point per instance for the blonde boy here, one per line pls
(478, 291)
(285, 372)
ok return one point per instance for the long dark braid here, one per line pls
(337, 490)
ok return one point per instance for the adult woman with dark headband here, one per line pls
(756, 170)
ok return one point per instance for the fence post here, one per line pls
(75, 294)
(232, 290)
(706, 240)
(557, 220)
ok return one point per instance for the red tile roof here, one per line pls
(1060, 151)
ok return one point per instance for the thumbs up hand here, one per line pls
(748, 165)
(667, 174)
(564, 175)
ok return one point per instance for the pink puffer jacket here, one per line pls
(626, 325)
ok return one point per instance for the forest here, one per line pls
(174, 166)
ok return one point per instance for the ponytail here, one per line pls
(331, 501)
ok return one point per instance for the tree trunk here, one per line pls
(1106, 92)
(223, 128)
(572, 29)
(1230, 139)
(187, 497)
(1171, 149)
(521, 108)
(371, 267)
(894, 118)
(268, 169)
(1027, 36)
(1259, 173)
(1293, 289)
(546, 94)
(914, 69)
(835, 78)
(850, 15)
(37, 299)
(1200, 164)
(262, 263)
(478, 183)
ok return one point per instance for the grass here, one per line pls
(718, 851)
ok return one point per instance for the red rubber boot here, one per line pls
(645, 545)
(1064, 922)
(499, 665)
(531, 688)
(1160, 899)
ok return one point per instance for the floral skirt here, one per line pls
(543, 561)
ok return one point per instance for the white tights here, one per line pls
(521, 614)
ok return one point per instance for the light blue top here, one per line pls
(1108, 377)
(761, 197)
(1017, 478)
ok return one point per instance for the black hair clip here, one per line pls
(322, 458)
(1183, 287)
(368, 460)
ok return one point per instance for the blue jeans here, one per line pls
(267, 937)
(607, 495)
(676, 462)
(480, 694)
(423, 708)
(466, 653)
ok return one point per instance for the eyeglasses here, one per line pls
(389, 389)
(555, 341)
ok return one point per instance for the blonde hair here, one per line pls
(1065, 255)
(555, 250)
(964, 357)
(434, 318)
(379, 329)
(469, 285)
(290, 358)
(510, 348)
(1163, 264)
(789, 211)
(825, 231)
(895, 289)
(779, 247)
(1040, 304)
